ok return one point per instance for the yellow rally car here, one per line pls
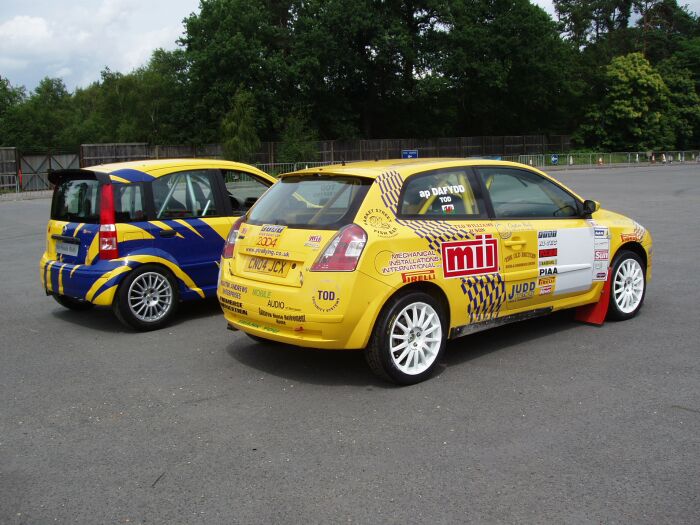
(142, 236)
(395, 257)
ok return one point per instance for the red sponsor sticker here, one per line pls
(424, 275)
(601, 255)
(551, 252)
(474, 257)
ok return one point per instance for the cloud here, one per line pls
(24, 34)
(77, 40)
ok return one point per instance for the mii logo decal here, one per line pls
(474, 257)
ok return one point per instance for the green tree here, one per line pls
(507, 69)
(37, 123)
(239, 135)
(635, 112)
(232, 43)
(684, 102)
(298, 140)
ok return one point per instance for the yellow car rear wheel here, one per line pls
(408, 339)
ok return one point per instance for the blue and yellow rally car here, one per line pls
(143, 236)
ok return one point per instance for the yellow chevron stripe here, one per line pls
(116, 178)
(75, 233)
(105, 297)
(219, 226)
(172, 267)
(60, 278)
(73, 270)
(103, 279)
(94, 249)
(163, 226)
(188, 226)
(49, 284)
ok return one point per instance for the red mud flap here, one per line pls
(595, 313)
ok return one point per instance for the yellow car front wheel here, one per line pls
(408, 339)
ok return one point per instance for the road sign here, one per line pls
(409, 153)
(555, 160)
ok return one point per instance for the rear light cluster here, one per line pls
(343, 252)
(231, 239)
(109, 248)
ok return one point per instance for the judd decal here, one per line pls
(380, 222)
(471, 257)
(522, 291)
(410, 261)
(412, 277)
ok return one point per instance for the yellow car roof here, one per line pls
(405, 167)
(159, 167)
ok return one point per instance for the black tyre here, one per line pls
(408, 339)
(627, 287)
(147, 298)
(73, 304)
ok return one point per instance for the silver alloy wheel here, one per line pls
(415, 338)
(150, 297)
(628, 286)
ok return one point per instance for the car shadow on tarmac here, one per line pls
(103, 320)
(348, 367)
(509, 336)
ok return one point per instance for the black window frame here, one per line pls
(492, 212)
(216, 178)
(476, 187)
(146, 196)
(224, 190)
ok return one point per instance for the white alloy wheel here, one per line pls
(150, 297)
(628, 286)
(415, 338)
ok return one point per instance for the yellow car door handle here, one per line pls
(514, 242)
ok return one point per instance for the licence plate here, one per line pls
(268, 266)
(64, 248)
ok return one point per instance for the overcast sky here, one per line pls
(75, 40)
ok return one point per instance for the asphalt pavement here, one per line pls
(545, 421)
